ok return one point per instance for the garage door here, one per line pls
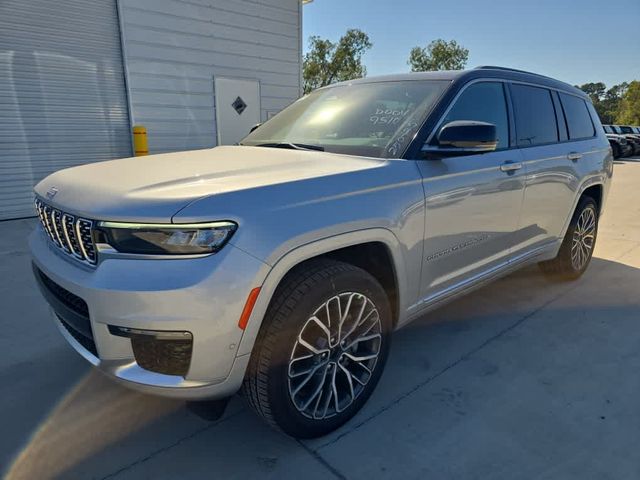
(62, 93)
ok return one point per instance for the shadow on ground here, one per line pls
(492, 375)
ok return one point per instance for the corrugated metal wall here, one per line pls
(62, 94)
(174, 48)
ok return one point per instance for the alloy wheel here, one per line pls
(334, 355)
(583, 238)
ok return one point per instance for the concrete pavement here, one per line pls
(524, 378)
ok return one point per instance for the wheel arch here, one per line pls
(592, 186)
(338, 247)
(596, 192)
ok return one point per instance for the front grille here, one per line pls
(71, 310)
(68, 299)
(86, 342)
(72, 235)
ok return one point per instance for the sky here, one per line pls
(576, 41)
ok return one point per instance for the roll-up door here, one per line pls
(62, 93)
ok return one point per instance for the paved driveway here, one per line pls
(521, 379)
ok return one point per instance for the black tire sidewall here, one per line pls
(616, 151)
(285, 414)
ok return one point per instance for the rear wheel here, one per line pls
(321, 349)
(578, 244)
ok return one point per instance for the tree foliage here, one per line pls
(327, 62)
(629, 112)
(607, 102)
(438, 55)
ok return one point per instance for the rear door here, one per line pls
(551, 162)
(472, 202)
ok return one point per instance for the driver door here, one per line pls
(473, 201)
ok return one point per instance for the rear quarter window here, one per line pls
(535, 116)
(578, 118)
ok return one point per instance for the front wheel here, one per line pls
(321, 349)
(578, 244)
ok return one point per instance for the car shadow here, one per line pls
(97, 428)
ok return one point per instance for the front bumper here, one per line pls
(203, 296)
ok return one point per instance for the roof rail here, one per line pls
(493, 67)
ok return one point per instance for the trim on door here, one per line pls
(422, 305)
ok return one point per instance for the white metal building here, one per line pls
(76, 75)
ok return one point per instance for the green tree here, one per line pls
(629, 112)
(438, 55)
(606, 102)
(595, 90)
(327, 62)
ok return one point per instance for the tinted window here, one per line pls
(535, 116)
(607, 128)
(483, 102)
(578, 119)
(625, 129)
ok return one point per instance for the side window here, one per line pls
(534, 114)
(578, 118)
(483, 102)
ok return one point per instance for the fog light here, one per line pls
(159, 351)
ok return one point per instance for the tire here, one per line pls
(578, 244)
(616, 151)
(315, 290)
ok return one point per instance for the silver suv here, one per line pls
(281, 266)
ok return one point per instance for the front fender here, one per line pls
(313, 249)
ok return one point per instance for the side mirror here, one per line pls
(254, 127)
(464, 137)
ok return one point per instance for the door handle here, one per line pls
(574, 156)
(510, 166)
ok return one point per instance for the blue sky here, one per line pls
(576, 41)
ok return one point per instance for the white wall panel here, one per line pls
(175, 48)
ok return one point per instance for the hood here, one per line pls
(154, 188)
(615, 136)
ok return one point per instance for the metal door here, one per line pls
(237, 108)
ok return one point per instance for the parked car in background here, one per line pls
(619, 144)
(629, 130)
(281, 266)
(632, 139)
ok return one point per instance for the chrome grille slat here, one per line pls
(73, 235)
(80, 242)
(47, 220)
(68, 222)
(55, 220)
(88, 249)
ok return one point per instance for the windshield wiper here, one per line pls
(292, 146)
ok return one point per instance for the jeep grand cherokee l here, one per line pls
(281, 266)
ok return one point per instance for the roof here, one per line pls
(463, 76)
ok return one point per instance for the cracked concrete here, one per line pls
(524, 378)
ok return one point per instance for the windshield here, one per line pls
(366, 119)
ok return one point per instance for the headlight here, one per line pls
(165, 239)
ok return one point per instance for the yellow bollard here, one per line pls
(140, 145)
